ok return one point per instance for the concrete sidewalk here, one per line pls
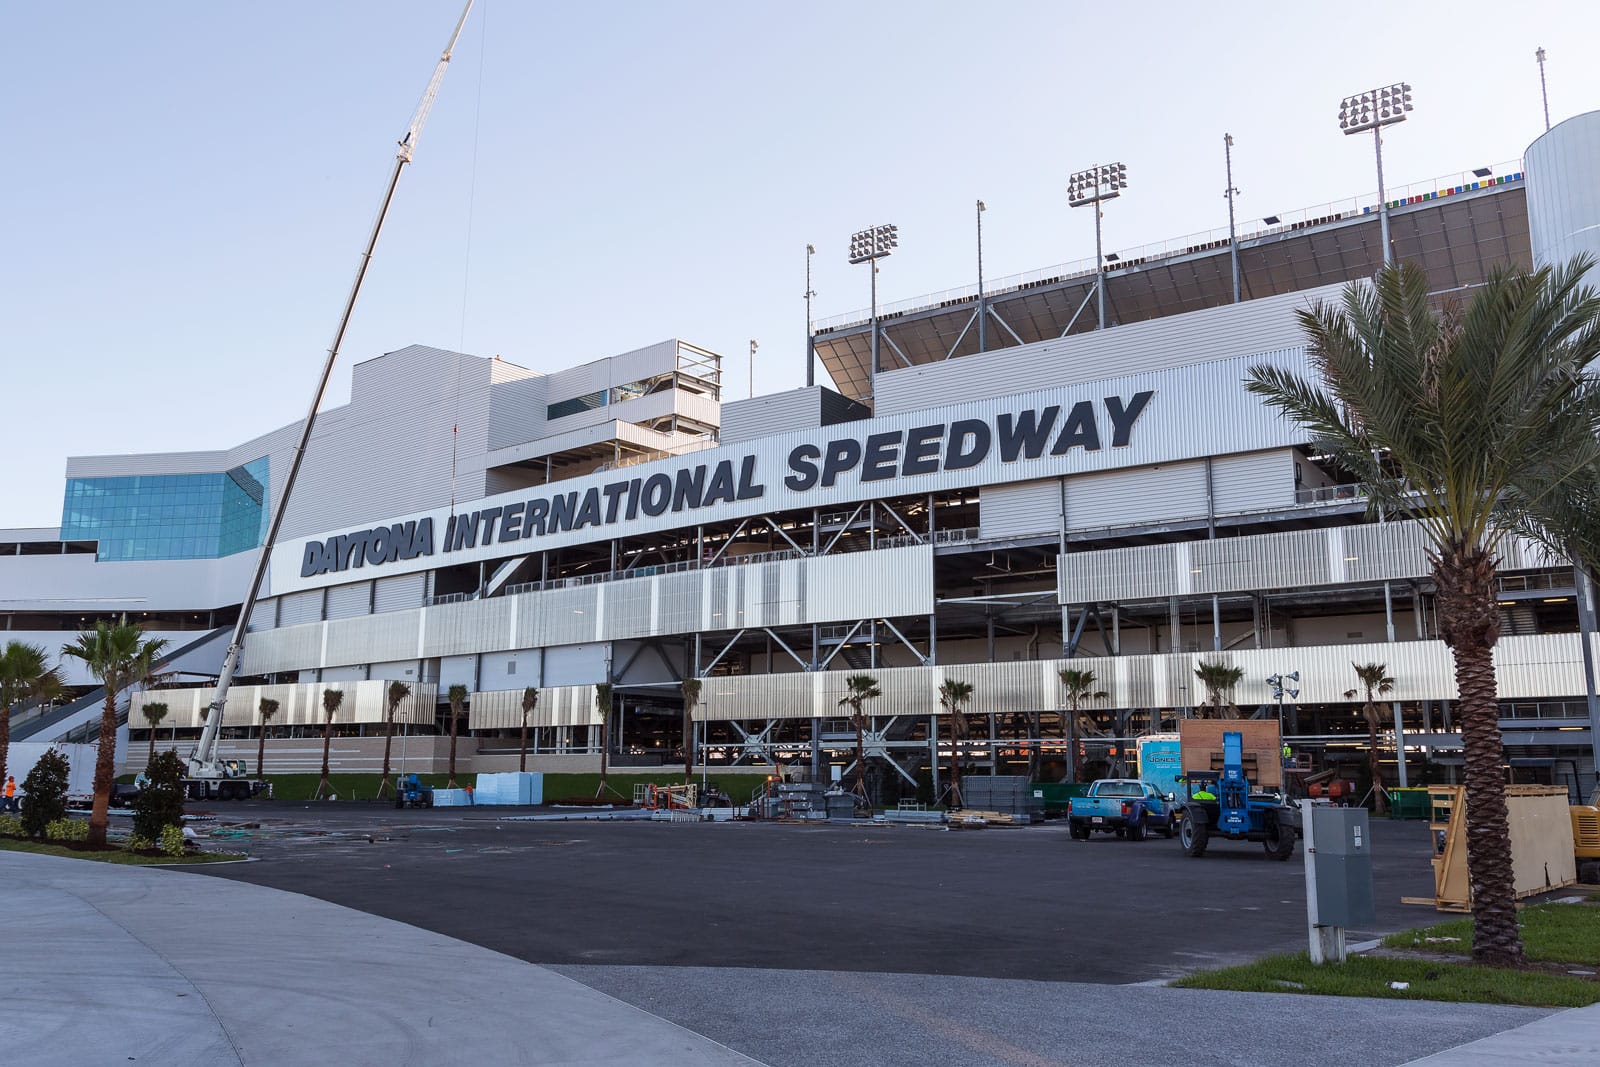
(1566, 1039)
(112, 964)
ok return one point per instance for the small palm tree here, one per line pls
(953, 697)
(602, 707)
(397, 692)
(690, 688)
(530, 701)
(331, 700)
(153, 713)
(120, 656)
(860, 688)
(1079, 686)
(1219, 679)
(267, 709)
(457, 695)
(1471, 424)
(1374, 678)
(24, 675)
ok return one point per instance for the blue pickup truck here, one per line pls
(1124, 806)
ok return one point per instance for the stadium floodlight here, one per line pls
(869, 246)
(1094, 187)
(1373, 110)
(1230, 193)
(753, 347)
(811, 347)
(1544, 92)
(983, 313)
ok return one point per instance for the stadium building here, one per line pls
(991, 505)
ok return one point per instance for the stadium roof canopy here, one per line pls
(1457, 232)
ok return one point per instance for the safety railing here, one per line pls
(1453, 184)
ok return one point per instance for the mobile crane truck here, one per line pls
(206, 776)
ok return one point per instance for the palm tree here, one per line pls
(457, 695)
(331, 699)
(120, 656)
(153, 713)
(1469, 424)
(1219, 679)
(953, 696)
(24, 674)
(602, 707)
(398, 691)
(268, 708)
(860, 688)
(1079, 685)
(1375, 680)
(690, 688)
(530, 700)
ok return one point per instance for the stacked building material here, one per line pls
(515, 787)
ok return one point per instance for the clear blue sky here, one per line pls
(187, 185)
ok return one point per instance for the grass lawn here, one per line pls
(1557, 933)
(557, 787)
(43, 848)
(1369, 976)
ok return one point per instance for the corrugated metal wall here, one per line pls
(349, 601)
(296, 608)
(1289, 559)
(1254, 481)
(793, 409)
(1022, 509)
(1263, 325)
(1136, 497)
(1540, 667)
(501, 709)
(299, 705)
(400, 592)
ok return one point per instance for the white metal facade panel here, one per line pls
(1541, 667)
(399, 592)
(501, 709)
(298, 704)
(1135, 497)
(373, 638)
(517, 405)
(469, 626)
(1021, 509)
(1563, 180)
(1264, 325)
(1253, 481)
(458, 670)
(509, 670)
(286, 649)
(1166, 433)
(348, 601)
(575, 665)
(400, 670)
(296, 608)
(344, 674)
(790, 410)
(265, 614)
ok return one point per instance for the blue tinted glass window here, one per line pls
(169, 516)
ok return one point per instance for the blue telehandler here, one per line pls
(1220, 803)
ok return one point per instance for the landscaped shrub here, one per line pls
(160, 803)
(10, 826)
(46, 786)
(67, 830)
(136, 843)
(172, 842)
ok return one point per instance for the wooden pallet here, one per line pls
(970, 818)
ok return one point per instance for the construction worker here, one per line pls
(1203, 794)
(11, 793)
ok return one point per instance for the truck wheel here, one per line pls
(1166, 831)
(1077, 831)
(1193, 836)
(1136, 832)
(1280, 842)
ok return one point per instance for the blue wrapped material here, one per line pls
(512, 788)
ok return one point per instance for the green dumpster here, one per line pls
(1054, 795)
(1408, 804)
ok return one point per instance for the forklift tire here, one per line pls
(1280, 846)
(1193, 836)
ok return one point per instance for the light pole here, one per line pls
(753, 347)
(1373, 111)
(811, 348)
(1543, 90)
(982, 313)
(1276, 681)
(1093, 187)
(1230, 193)
(868, 246)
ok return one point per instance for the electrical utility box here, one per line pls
(1342, 865)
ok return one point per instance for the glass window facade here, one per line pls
(169, 516)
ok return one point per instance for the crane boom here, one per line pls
(202, 763)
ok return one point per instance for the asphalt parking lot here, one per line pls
(996, 903)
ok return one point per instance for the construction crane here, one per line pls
(207, 776)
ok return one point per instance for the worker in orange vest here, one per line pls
(11, 793)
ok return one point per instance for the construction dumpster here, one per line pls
(1054, 796)
(1409, 804)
